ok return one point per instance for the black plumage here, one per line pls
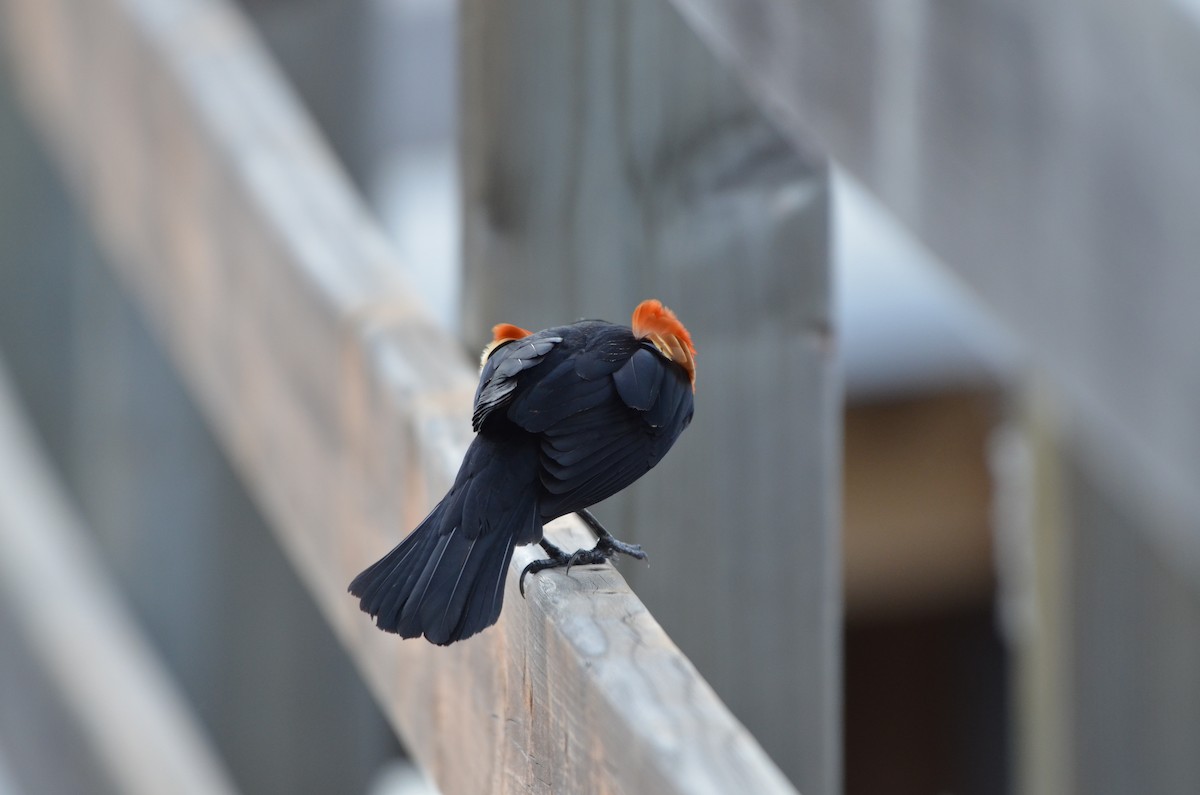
(565, 418)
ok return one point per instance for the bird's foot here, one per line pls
(606, 547)
(606, 544)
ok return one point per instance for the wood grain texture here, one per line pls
(343, 404)
(65, 608)
(609, 157)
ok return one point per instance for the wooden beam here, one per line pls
(67, 610)
(609, 157)
(343, 403)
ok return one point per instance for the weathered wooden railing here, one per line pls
(343, 404)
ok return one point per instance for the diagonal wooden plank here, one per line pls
(345, 405)
(136, 723)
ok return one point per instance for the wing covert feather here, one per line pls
(498, 379)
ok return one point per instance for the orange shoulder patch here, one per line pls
(503, 332)
(654, 322)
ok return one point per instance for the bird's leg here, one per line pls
(606, 547)
(606, 544)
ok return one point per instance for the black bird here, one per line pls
(564, 417)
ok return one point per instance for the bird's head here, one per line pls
(502, 333)
(658, 325)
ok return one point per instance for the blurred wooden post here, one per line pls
(608, 157)
(1134, 651)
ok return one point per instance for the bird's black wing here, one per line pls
(574, 378)
(499, 378)
(611, 431)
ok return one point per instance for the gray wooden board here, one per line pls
(343, 405)
(1134, 652)
(67, 611)
(1047, 152)
(608, 157)
(42, 748)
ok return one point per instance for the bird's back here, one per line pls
(604, 405)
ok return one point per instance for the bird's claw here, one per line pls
(557, 558)
(606, 547)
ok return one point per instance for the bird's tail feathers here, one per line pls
(440, 581)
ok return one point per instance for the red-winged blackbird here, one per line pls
(565, 418)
